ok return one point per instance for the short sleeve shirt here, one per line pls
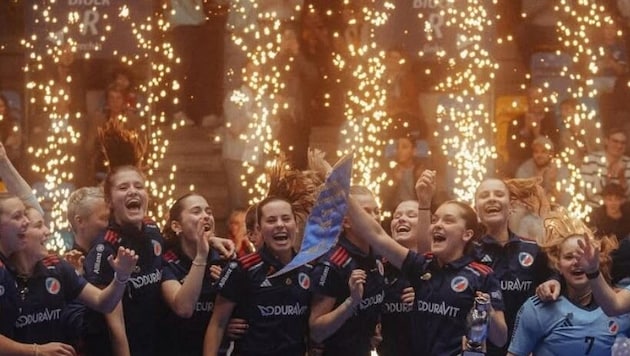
(141, 301)
(444, 296)
(330, 277)
(276, 309)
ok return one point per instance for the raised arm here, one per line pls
(325, 319)
(368, 229)
(181, 298)
(106, 300)
(14, 182)
(612, 303)
(425, 188)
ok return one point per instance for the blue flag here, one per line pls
(324, 223)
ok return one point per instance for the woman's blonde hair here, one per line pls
(559, 227)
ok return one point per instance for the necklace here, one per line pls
(584, 299)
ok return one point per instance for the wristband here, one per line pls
(120, 281)
(199, 264)
(593, 275)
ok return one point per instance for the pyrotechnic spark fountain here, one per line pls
(55, 160)
(464, 122)
(580, 23)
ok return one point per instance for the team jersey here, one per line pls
(42, 298)
(563, 328)
(142, 298)
(276, 309)
(520, 266)
(8, 300)
(330, 277)
(396, 316)
(184, 336)
(444, 296)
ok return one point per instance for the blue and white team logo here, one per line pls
(1, 290)
(157, 248)
(100, 248)
(525, 259)
(52, 285)
(304, 280)
(613, 327)
(459, 284)
(381, 269)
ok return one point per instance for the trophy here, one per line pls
(477, 328)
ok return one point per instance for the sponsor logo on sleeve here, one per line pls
(157, 248)
(613, 327)
(304, 280)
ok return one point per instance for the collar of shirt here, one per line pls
(489, 240)
(454, 265)
(353, 249)
(270, 259)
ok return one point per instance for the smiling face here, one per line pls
(449, 233)
(568, 263)
(404, 224)
(37, 232)
(277, 227)
(492, 202)
(128, 198)
(13, 225)
(195, 211)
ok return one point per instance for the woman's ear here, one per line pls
(176, 227)
(468, 235)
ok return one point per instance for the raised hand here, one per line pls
(588, 254)
(124, 262)
(425, 188)
(225, 247)
(356, 283)
(76, 259)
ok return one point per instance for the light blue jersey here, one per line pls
(562, 328)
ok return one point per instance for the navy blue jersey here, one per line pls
(520, 266)
(444, 296)
(184, 336)
(276, 309)
(396, 316)
(8, 300)
(330, 277)
(563, 328)
(142, 298)
(41, 299)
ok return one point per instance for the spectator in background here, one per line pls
(538, 27)
(237, 232)
(402, 170)
(543, 165)
(403, 102)
(613, 217)
(608, 166)
(10, 133)
(122, 80)
(539, 120)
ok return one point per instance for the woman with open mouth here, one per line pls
(276, 309)
(517, 262)
(46, 284)
(446, 281)
(190, 272)
(575, 324)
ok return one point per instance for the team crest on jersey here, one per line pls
(157, 248)
(52, 285)
(459, 284)
(100, 248)
(525, 259)
(232, 265)
(1, 291)
(379, 266)
(304, 280)
(613, 327)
